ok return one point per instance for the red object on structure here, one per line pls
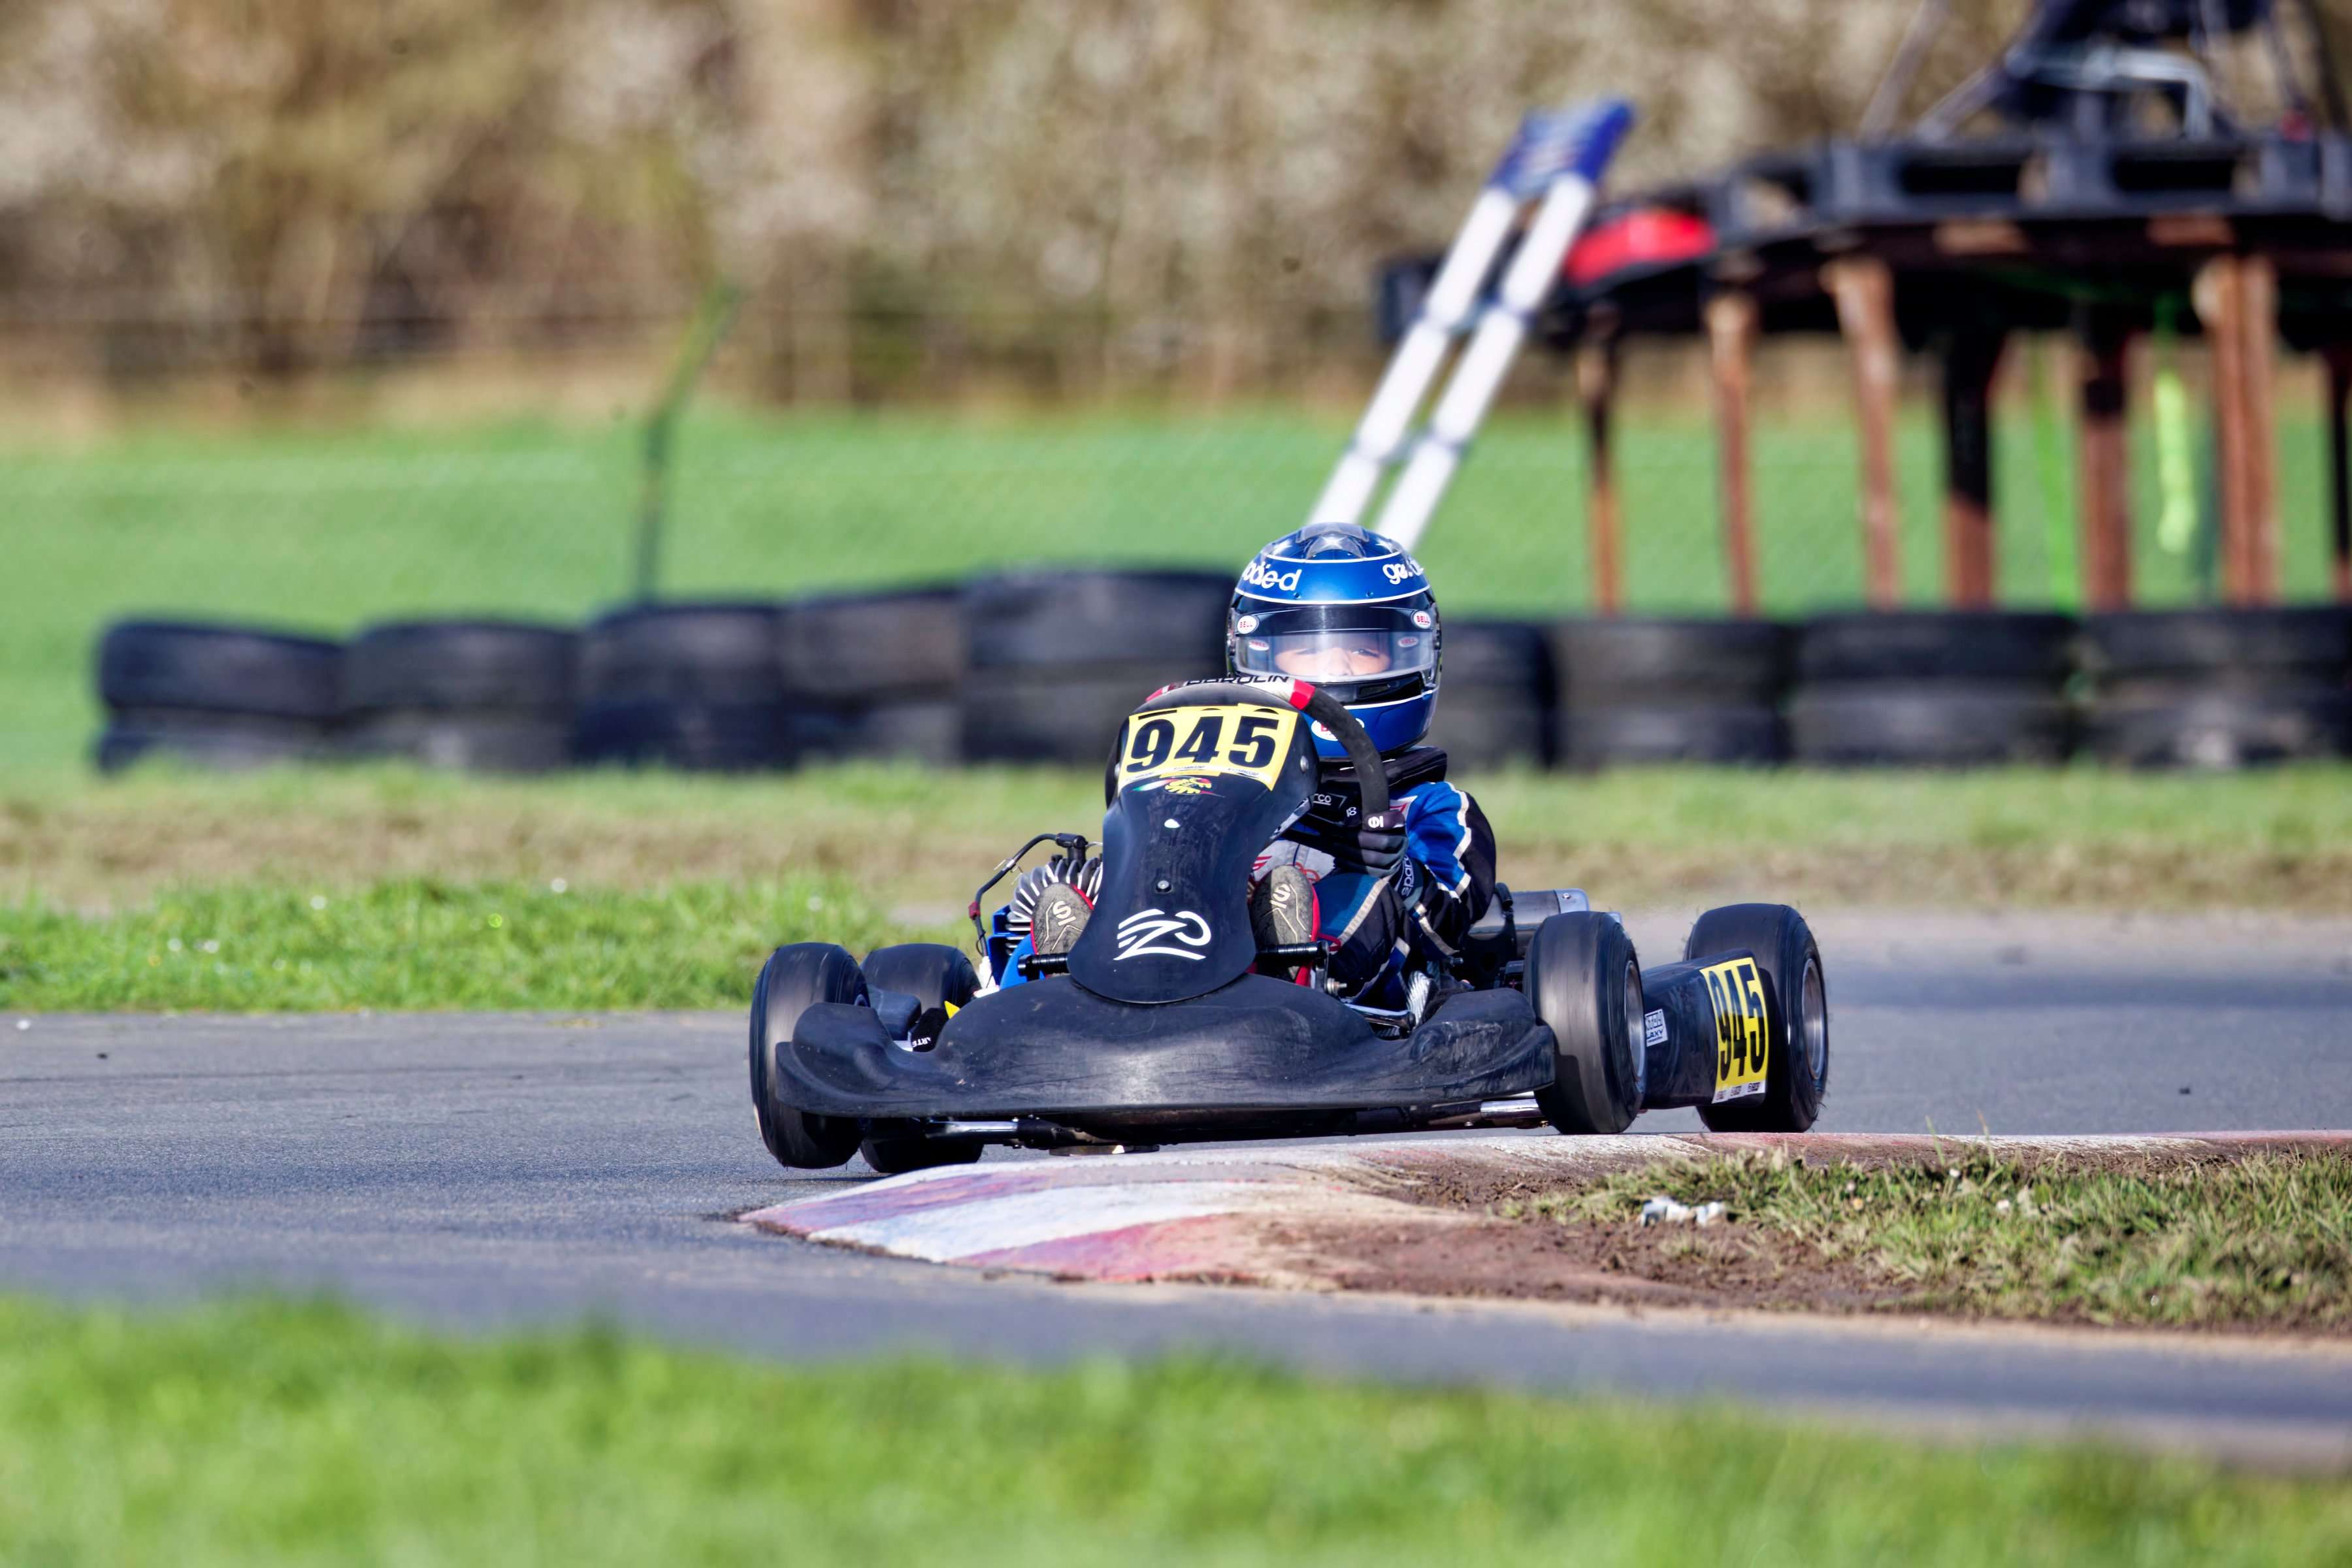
(1650, 236)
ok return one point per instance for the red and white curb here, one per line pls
(1231, 1214)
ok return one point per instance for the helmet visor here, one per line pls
(1337, 644)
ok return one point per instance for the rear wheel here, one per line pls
(1798, 1073)
(933, 972)
(795, 979)
(1585, 982)
(936, 975)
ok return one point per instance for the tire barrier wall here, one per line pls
(1040, 665)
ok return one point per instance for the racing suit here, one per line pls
(1388, 924)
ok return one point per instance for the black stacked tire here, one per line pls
(699, 686)
(1933, 689)
(876, 675)
(1495, 703)
(485, 696)
(216, 696)
(1670, 690)
(1058, 658)
(2219, 688)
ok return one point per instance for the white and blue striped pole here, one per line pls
(1445, 310)
(1566, 153)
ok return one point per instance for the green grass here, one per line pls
(420, 944)
(337, 529)
(438, 891)
(253, 1432)
(2260, 1241)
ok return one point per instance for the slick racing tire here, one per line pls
(895, 1156)
(795, 978)
(933, 972)
(1585, 982)
(1798, 1072)
(936, 975)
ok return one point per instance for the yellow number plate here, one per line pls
(1742, 1046)
(1242, 739)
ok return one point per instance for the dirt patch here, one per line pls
(2215, 1239)
(1521, 1261)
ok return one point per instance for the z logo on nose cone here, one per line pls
(1138, 933)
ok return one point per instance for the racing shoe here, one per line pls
(1282, 909)
(1061, 914)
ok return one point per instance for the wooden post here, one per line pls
(1865, 291)
(1596, 386)
(1731, 339)
(2258, 294)
(1970, 359)
(2339, 467)
(2219, 295)
(2106, 461)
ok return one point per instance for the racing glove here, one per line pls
(1352, 846)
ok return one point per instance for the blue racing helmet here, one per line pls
(1348, 611)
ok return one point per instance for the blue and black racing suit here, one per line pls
(1386, 925)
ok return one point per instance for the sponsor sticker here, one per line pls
(1189, 746)
(1258, 574)
(1147, 933)
(1654, 1029)
(1742, 1047)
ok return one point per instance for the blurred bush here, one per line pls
(1072, 196)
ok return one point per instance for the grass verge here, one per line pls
(261, 1432)
(2256, 1241)
(419, 944)
(2081, 837)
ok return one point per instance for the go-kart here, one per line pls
(1166, 1021)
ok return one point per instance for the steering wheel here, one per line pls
(1371, 775)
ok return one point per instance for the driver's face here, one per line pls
(1341, 660)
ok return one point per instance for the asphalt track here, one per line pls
(485, 1171)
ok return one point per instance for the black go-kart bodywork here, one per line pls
(1166, 1022)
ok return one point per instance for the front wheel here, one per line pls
(795, 979)
(895, 1156)
(1585, 982)
(1797, 1073)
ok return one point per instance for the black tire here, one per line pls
(1597, 737)
(930, 971)
(722, 655)
(220, 670)
(1656, 663)
(479, 743)
(1487, 729)
(703, 737)
(1171, 620)
(929, 729)
(1937, 645)
(2314, 638)
(896, 1156)
(2153, 724)
(793, 980)
(508, 667)
(1584, 982)
(1047, 716)
(223, 742)
(1798, 1075)
(1928, 723)
(858, 648)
